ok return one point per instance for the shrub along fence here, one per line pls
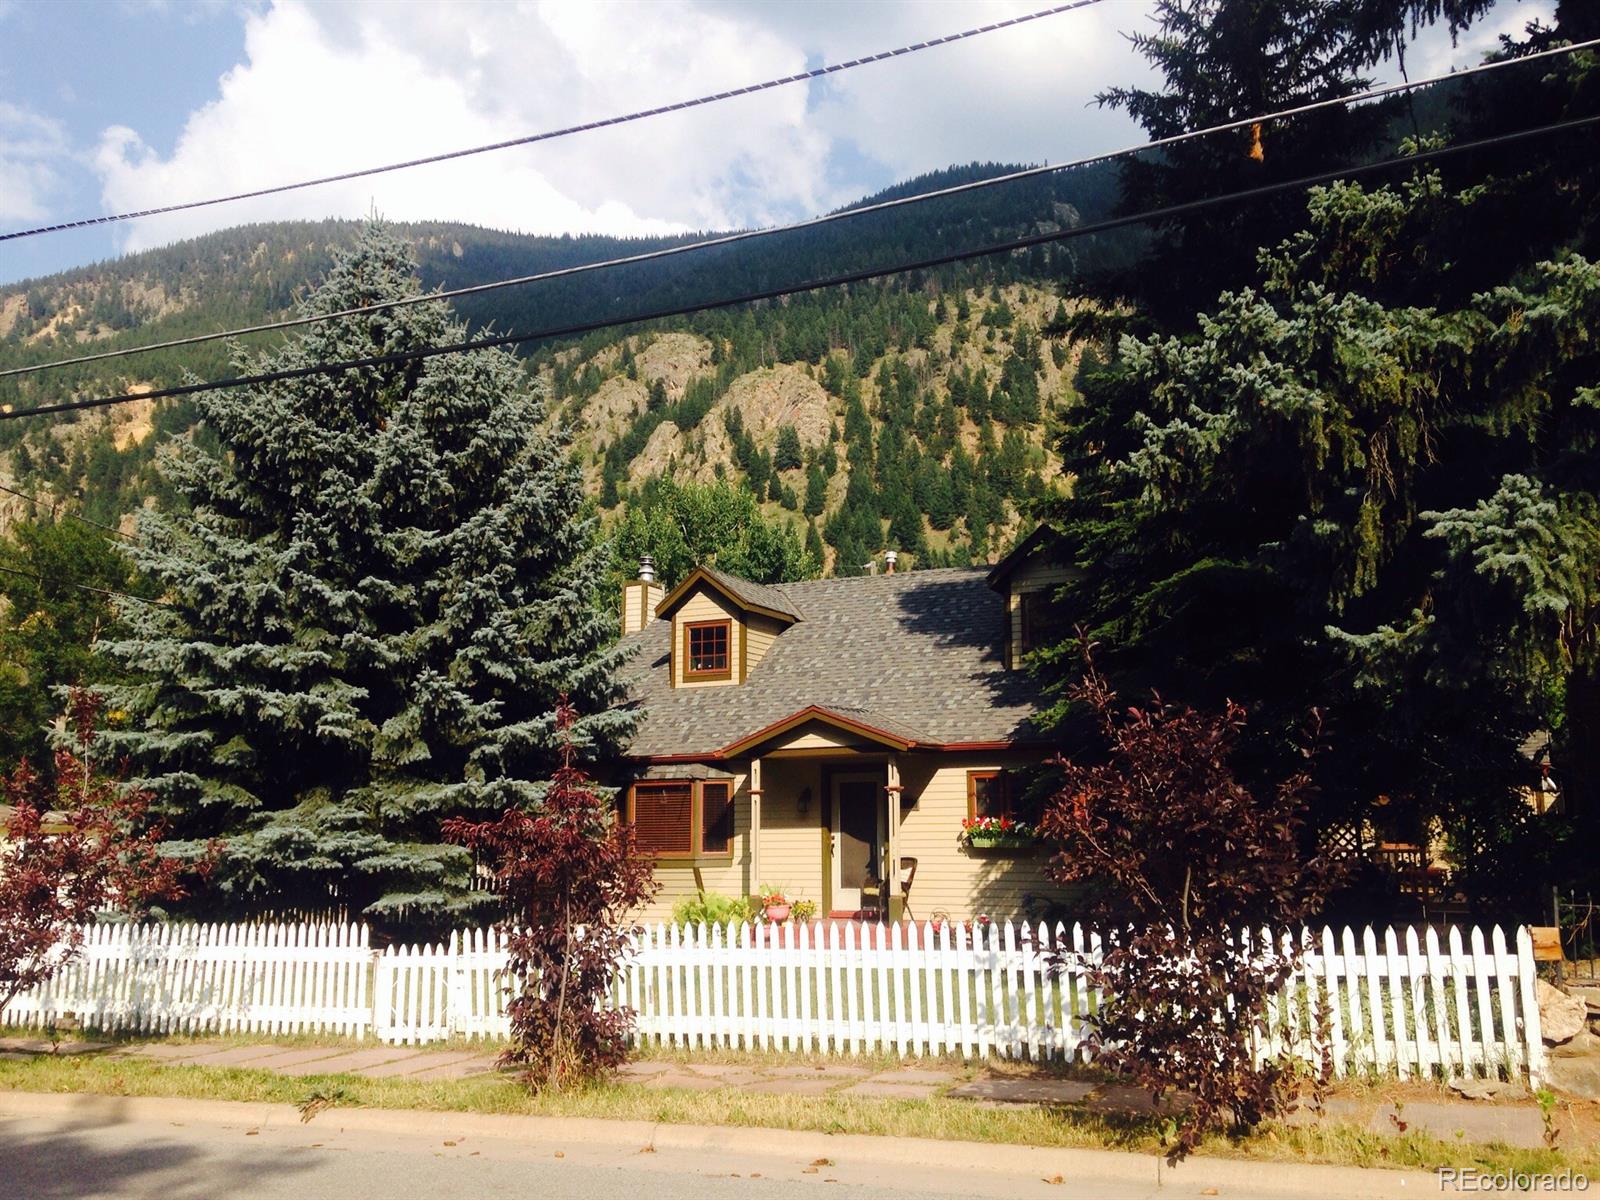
(1409, 1003)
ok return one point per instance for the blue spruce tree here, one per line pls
(379, 587)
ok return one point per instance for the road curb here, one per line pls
(1191, 1178)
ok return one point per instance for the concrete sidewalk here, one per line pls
(1517, 1123)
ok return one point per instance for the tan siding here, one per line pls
(791, 844)
(762, 632)
(814, 735)
(705, 605)
(950, 878)
(728, 879)
(1034, 576)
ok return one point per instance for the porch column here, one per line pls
(755, 825)
(891, 867)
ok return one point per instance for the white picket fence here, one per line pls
(1400, 1003)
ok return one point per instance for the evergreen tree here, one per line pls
(1221, 61)
(816, 491)
(377, 594)
(786, 456)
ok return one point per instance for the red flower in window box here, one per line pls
(984, 833)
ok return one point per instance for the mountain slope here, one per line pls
(920, 396)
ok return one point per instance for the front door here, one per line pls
(857, 805)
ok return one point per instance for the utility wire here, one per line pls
(680, 106)
(770, 231)
(69, 513)
(88, 587)
(1060, 235)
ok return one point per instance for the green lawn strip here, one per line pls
(938, 1118)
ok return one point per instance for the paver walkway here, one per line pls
(1516, 1124)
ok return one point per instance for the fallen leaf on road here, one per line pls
(648, 1150)
(561, 1153)
(1055, 1179)
(316, 1145)
(1209, 1192)
(808, 1171)
(251, 1132)
(822, 1162)
(449, 1143)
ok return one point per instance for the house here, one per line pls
(806, 736)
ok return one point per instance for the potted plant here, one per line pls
(775, 905)
(998, 833)
(803, 912)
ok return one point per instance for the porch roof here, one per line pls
(917, 655)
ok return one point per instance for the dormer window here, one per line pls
(706, 650)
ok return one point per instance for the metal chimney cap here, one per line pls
(647, 568)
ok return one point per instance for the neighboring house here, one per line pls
(811, 735)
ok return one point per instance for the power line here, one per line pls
(550, 135)
(1159, 214)
(770, 231)
(32, 499)
(87, 587)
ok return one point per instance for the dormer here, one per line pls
(1028, 577)
(722, 626)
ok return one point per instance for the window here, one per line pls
(716, 818)
(1038, 621)
(988, 794)
(661, 817)
(706, 650)
(683, 818)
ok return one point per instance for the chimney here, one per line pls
(640, 597)
(890, 557)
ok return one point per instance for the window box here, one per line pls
(998, 833)
(1001, 841)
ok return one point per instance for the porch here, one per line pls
(863, 832)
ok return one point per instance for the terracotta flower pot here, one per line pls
(777, 913)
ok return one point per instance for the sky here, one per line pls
(118, 105)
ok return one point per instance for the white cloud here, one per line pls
(33, 148)
(323, 90)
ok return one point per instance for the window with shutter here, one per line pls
(663, 817)
(716, 818)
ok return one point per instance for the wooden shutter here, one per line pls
(716, 818)
(663, 817)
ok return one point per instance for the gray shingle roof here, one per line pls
(917, 654)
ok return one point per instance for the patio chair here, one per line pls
(908, 873)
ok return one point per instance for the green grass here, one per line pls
(940, 1118)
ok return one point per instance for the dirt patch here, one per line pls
(11, 309)
(131, 423)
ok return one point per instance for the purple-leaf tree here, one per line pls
(568, 874)
(75, 848)
(1181, 864)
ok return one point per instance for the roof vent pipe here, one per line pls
(647, 568)
(890, 557)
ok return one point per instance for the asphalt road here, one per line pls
(140, 1149)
